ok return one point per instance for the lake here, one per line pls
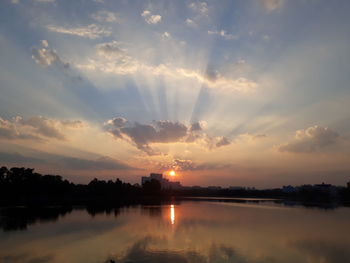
(187, 231)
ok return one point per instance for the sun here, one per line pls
(172, 173)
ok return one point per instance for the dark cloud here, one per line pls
(142, 135)
(160, 132)
(189, 165)
(73, 163)
(197, 126)
(212, 74)
(19, 158)
(102, 163)
(118, 122)
(310, 140)
(222, 142)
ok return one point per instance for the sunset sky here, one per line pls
(244, 92)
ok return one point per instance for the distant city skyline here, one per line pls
(248, 93)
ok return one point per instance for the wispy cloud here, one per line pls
(116, 60)
(199, 7)
(223, 34)
(190, 165)
(68, 162)
(91, 31)
(38, 1)
(272, 5)
(190, 23)
(105, 16)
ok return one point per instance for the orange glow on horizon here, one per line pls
(172, 173)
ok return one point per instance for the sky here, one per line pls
(228, 93)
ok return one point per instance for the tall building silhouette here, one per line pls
(165, 183)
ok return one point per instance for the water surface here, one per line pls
(190, 231)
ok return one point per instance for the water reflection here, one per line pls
(172, 214)
(141, 251)
(19, 218)
(207, 232)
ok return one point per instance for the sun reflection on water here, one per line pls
(172, 214)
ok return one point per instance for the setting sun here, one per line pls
(172, 173)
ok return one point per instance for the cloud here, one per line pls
(151, 19)
(199, 7)
(272, 5)
(111, 49)
(92, 31)
(105, 16)
(9, 131)
(116, 60)
(42, 126)
(310, 140)
(266, 38)
(19, 158)
(166, 35)
(143, 135)
(35, 128)
(160, 132)
(117, 122)
(27, 258)
(259, 136)
(222, 142)
(250, 138)
(72, 123)
(101, 163)
(73, 163)
(189, 165)
(223, 34)
(198, 126)
(45, 1)
(38, 1)
(113, 59)
(45, 56)
(190, 23)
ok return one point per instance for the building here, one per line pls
(214, 187)
(236, 188)
(158, 177)
(165, 183)
(289, 189)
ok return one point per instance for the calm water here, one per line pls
(190, 231)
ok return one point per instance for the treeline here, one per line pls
(305, 194)
(23, 186)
